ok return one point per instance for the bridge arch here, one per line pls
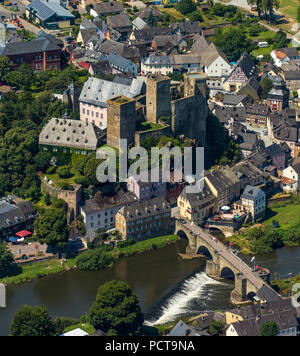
(203, 250)
(227, 273)
(182, 235)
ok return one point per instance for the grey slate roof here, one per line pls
(158, 60)
(211, 53)
(143, 209)
(13, 214)
(119, 21)
(70, 133)
(120, 49)
(118, 61)
(44, 10)
(35, 46)
(251, 193)
(108, 7)
(200, 44)
(144, 13)
(233, 99)
(97, 91)
(139, 23)
(182, 329)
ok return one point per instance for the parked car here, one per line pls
(275, 224)
(182, 221)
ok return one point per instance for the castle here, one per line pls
(179, 109)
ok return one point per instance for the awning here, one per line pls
(23, 233)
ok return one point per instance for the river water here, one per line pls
(167, 286)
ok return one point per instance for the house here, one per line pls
(120, 23)
(145, 36)
(101, 68)
(200, 44)
(41, 53)
(145, 13)
(75, 332)
(243, 70)
(253, 202)
(249, 173)
(235, 100)
(106, 9)
(67, 135)
(278, 96)
(139, 24)
(197, 207)
(182, 329)
(121, 49)
(186, 28)
(157, 65)
(144, 220)
(15, 215)
(159, 42)
(247, 320)
(96, 92)
(284, 55)
(187, 63)
(121, 65)
(215, 62)
(146, 190)
(225, 185)
(49, 14)
(291, 178)
(248, 143)
(251, 88)
(280, 155)
(100, 212)
(257, 114)
(292, 79)
(87, 35)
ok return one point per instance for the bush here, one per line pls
(94, 260)
(126, 243)
(64, 172)
(51, 170)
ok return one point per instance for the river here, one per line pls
(167, 286)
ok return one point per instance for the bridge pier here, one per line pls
(213, 269)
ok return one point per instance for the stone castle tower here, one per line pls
(121, 121)
(158, 97)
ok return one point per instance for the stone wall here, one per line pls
(140, 136)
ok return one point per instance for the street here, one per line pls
(259, 130)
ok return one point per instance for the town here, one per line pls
(79, 78)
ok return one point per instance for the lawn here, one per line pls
(146, 245)
(289, 8)
(148, 126)
(38, 270)
(287, 216)
(173, 12)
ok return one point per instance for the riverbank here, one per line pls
(42, 269)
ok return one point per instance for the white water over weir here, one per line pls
(193, 288)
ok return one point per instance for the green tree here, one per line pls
(269, 328)
(51, 228)
(47, 199)
(6, 66)
(150, 19)
(233, 42)
(258, 3)
(266, 85)
(298, 14)
(7, 261)
(117, 308)
(42, 160)
(94, 260)
(64, 172)
(32, 321)
(215, 327)
(269, 7)
(186, 6)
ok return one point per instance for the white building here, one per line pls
(290, 178)
(99, 213)
(157, 65)
(96, 92)
(253, 201)
(215, 62)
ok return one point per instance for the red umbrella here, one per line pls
(23, 233)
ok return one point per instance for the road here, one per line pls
(223, 251)
(265, 138)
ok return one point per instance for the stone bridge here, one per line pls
(226, 226)
(222, 263)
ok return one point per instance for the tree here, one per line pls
(42, 160)
(298, 14)
(94, 260)
(280, 40)
(186, 6)
(6, 66)
(47, 199)
(266, 85)
(258, 4)
(269, 7)
(150, 19)
(7, 261)
(64, 172)
(233, 42)
(32, 321)
(117, 309)
(51, 228)
(269, 328)
(215, 327)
